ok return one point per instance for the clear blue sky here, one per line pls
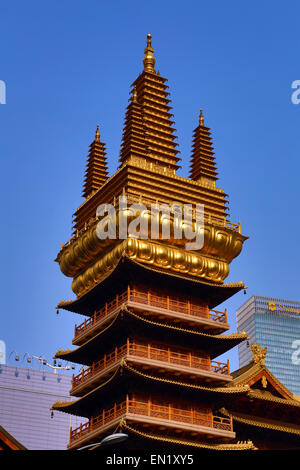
(68, 65)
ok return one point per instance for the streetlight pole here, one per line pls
(111, 439)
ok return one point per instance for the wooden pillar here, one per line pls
(225, 314)
(127, 403)
(149, 408)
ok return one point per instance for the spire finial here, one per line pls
(149, 59)
(201, 118)
(97, 135)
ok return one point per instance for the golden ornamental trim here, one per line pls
(246, 445)
(165, 257)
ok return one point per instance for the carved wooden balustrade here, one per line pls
(143, 408)
(148, 298)
(166, 355)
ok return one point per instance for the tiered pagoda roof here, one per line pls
(125, 322)
(134, 136)
(203, 166)
(151, 335)
(96, 172)
(148, 156)
(149, 129)
(268, 413)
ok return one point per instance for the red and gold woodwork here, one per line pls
(152, 330)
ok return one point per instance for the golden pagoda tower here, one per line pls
(152, 333)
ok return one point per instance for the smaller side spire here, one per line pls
(149, 59)
(203, 165)
(96, 172)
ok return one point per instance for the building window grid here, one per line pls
(275, 329)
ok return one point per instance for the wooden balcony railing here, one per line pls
(139, 408)
(151, 352)
(148, 298)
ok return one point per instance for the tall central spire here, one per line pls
(148, 128)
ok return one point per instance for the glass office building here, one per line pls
(274, 323)
(26, 396)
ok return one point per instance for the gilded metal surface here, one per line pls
(259, 354)
(149, 60)
(220, 243)
(157, 254)
(96, 173)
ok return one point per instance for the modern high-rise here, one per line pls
(26, 396)
(275, 324)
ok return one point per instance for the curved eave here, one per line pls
(259, 422)
(272, 399)
(85, 405)
(129, 270)
(127, 322)
(184, 442)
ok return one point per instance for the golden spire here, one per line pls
(148, 128)
(203, 165)
(96, 171)
(149, 59)
(97, 135)
(201, 118)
